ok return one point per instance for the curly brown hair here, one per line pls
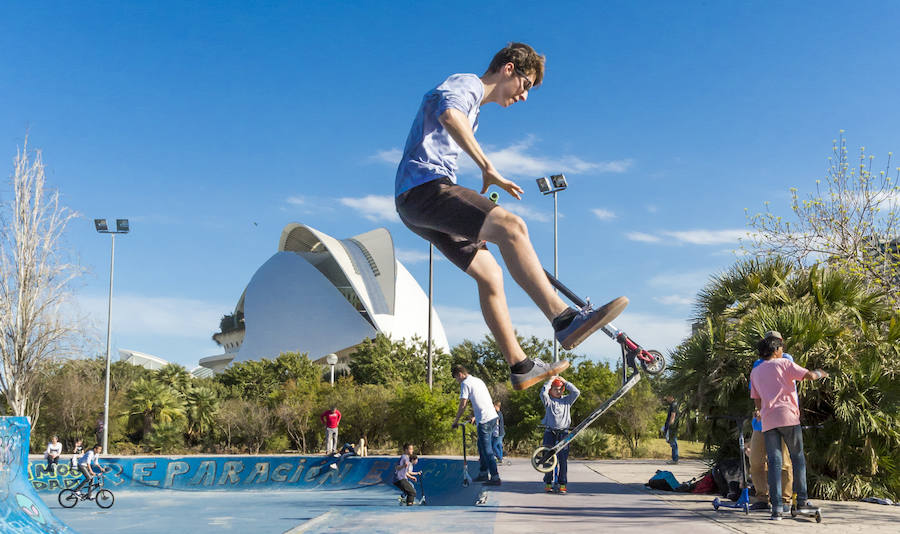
(523, 57)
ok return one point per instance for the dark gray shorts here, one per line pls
(450, 216)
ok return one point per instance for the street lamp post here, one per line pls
(551, 186)
(121, 228)
(430, 303)
(332, 359)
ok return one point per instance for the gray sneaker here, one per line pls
(589, 321)
(539, 372)
(776, 516)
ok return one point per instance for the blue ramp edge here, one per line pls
(21, 510)
(442, 479)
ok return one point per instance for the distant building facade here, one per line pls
(154, 363)
(320, 295)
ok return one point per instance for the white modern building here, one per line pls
(154, 363)
(142, 359)
(321, 296)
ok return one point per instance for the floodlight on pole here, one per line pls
(103, 228)
(332, 359)
(551, 186)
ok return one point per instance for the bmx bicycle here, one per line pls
(95, 491)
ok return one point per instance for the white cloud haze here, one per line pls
(373, 207)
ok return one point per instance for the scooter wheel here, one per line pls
(793, 510)
(746, 508)
(818, 517)
(656, 366)
(716, 503)
(542, 460)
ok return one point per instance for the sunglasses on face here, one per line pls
(527, 81)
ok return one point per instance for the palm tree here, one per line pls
(175, 376)
(150, 401)
(828, 319)
(202, 403)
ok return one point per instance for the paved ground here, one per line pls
(838, 516)
(607, 495)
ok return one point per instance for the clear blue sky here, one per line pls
(212, 125)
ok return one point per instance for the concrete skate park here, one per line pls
(281, 494)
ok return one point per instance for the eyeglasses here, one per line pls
(528, 83)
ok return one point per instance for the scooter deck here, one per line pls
(635, 378)
(814, 511)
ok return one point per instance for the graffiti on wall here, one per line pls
(21, 510)
(221, 473)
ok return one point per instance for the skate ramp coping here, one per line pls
(22, 511)
(442, 477)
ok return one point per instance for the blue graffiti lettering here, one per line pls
(140, 473)
(173, 470)
(205, 475)
(230, 473)
(260, 474)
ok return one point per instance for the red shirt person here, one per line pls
(331, 419)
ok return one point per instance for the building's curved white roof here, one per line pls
(321, 295)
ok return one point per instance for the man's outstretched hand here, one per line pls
(490, 177)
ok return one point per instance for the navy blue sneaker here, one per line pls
(588, 321)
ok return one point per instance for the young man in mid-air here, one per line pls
(459, 221)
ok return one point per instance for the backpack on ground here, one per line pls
(688, 487)
(706, 484)
(727, 474)
(663, 480)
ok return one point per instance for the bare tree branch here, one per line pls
(34, 286)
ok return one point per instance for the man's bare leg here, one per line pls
(489, 277)
(510, 234)
(524, 372)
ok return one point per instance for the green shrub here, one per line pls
(592, 443)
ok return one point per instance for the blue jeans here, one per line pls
(673, 442)
(551, 438)
(497, 445)
(793, 438)
(485, 447)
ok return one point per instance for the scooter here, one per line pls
(466, 478)
(806, 511)
(743, 501)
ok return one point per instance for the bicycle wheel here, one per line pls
(105, 498)
(67, 498)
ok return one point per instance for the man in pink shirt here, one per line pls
(772, 389)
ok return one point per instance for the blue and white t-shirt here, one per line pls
(89, 457)
(430, 152)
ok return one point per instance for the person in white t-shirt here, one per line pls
(77, 452)
(473, 389)
(54, 450)
(91, 457)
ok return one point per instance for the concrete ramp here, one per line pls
(21, 509)
(371, 475)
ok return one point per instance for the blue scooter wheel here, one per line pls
(716, 503)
